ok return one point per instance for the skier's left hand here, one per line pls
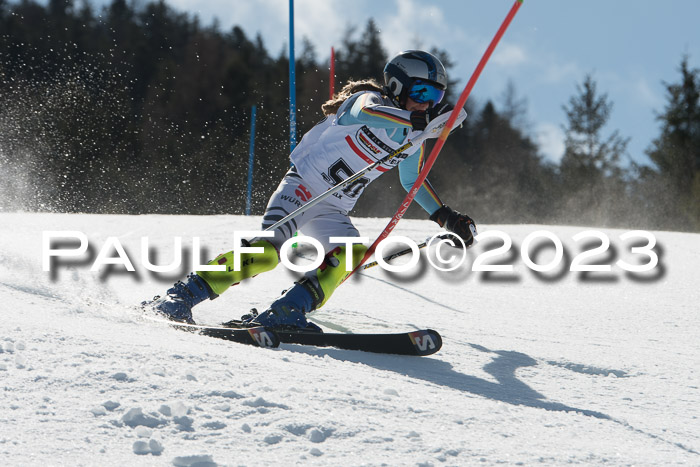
(421, 118)
(460, 224)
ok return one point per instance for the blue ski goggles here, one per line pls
(425, 91)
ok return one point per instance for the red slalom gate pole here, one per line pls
(443, 136)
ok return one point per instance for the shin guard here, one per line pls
(332, 272)
(252, 264)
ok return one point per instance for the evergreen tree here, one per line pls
(506, 175)
(364, 58)
(676, 152)
(590, 167)
(134, 107)
(514, 107)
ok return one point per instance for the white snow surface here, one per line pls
(550, 369)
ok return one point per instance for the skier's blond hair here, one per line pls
(331, 106)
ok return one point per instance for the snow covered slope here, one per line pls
(552, 368)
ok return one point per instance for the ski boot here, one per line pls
(310, 293)
(287, 313)
(180, 298)
(198, 286)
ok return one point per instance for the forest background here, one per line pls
(141, 109)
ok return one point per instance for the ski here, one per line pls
(418, 343)
(258, 336)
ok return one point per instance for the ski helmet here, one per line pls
(407, 67)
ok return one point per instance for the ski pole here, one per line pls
(404, 252)
(433, 129)
(441, 139)
(398, 254)
(387, 258)
(394, 255)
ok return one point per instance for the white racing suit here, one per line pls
(366, 128)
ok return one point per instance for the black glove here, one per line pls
(461, 225)
(421, 118)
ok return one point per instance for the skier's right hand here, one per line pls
(421, 118)
(459, 224)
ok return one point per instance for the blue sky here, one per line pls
(630, 47)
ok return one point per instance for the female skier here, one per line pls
(362, 124)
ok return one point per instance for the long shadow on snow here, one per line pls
(508, 389)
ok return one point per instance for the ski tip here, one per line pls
(426, 341)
